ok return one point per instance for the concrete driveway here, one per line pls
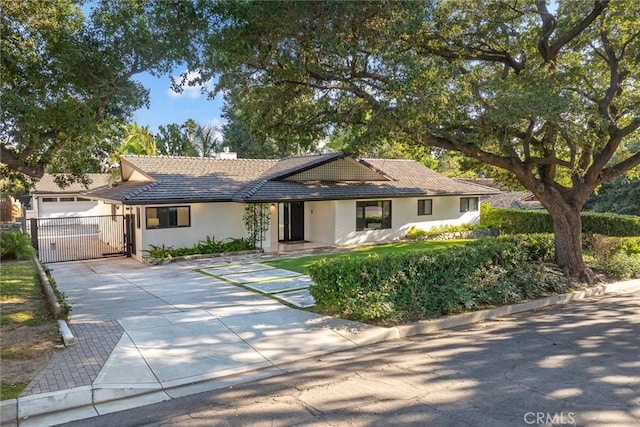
(168, 331)
(575, 365)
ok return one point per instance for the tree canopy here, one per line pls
(549, 95)
(66, 78)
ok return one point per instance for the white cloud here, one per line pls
(188, 90)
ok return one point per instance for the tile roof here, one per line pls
(47, 184)
(190, 179)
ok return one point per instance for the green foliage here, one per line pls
(620, 196)
(15, 245)
(257, 217)
(411, 286)
(548, 96)
(67, 79)
(209, 246)
(301, 264)
(617, 257)
(516, 221)
(417, 233)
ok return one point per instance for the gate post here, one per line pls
(34, 232)
(128, 229)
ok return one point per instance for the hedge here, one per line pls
(412, 286)
(518, 221)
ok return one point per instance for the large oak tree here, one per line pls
(549, 95)
(67, 79)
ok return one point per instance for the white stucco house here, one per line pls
(330, 198)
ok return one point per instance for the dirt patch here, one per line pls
(25, 350)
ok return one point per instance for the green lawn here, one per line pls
(26, 325)
(301, 264)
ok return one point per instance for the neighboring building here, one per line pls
(49, 200)
(329, 198)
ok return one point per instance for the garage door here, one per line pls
(58, 207)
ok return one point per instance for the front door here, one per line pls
(291, 222)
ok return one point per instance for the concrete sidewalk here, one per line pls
(147, 334)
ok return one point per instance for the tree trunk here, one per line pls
(567, 226)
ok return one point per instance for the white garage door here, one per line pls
(66, 206)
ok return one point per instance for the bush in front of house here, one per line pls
(413, 286)
(203, 247)
(15, 245)
(415, 233)
(519, 221)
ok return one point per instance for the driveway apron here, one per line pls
(154, 331)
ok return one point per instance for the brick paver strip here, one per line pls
(80, 364)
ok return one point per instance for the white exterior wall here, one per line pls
(404, 215)
(320, 221)
(216, 220)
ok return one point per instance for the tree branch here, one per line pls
(10, 159)
(549, 23)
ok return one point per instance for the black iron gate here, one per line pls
(78, 238)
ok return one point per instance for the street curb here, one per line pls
(56, 404)
(429, 326)
(58, 312)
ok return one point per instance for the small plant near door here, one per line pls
(256, 219)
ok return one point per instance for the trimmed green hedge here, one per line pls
(517, 221)
(412, 286)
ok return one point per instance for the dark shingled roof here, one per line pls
(189, 179)
(48, 185)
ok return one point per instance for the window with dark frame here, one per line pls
(373, 215)
(67, 199)
(425, 207)
(168, 217)
(468, 204)
(49, 199)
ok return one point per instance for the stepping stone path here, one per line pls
(285, 285)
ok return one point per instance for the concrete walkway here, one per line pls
(147, 334)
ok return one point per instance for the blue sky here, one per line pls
(167, 106)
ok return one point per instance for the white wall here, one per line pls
(320, 221)
(216, 220)
(404, 215)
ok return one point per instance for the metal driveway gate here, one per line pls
(78, 238)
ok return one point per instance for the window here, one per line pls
(82, 199)
(373, 215)
(67, 199)
(468, 204)
(425, 207)
(49, 199)
(168, 217)
(137, 217)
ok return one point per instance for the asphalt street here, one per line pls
(572, 365)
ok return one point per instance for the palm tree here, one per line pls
(138, 140)
(206, 140)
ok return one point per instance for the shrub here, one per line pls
(208, 246)
(412, 286)
(517, 221)
(15, 245)
(617, 257)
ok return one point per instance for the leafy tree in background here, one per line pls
(173, 140)
(620, 195)
(241, 138)
(548, 95)
(67, 79)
